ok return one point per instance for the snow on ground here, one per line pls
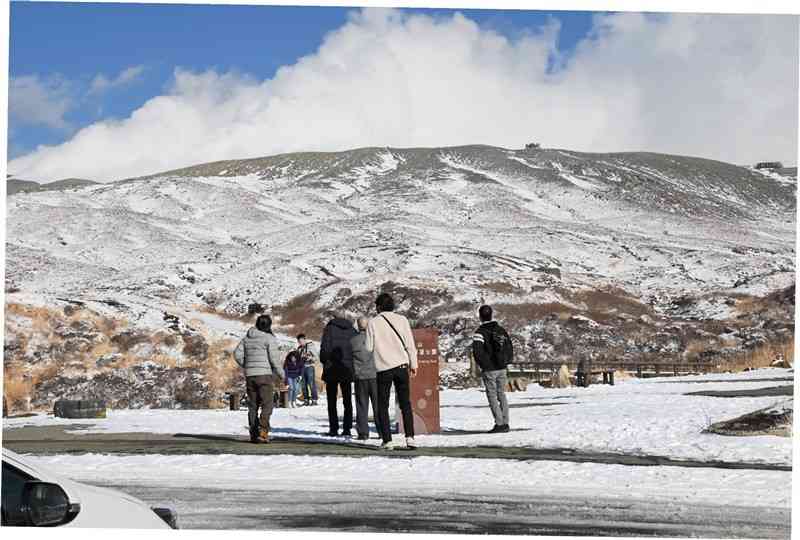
(433, 476)
(642, 417)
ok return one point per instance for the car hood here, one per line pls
(104, 507)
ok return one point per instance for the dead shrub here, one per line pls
(760, 357)
(195, 346)
(110, 326)
(16, 388)
(128, 339)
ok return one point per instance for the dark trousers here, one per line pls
(309, 384)
(332, 388)
(259, 396)
(366, 392)
(399, 377)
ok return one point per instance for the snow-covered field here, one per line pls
(642, 417)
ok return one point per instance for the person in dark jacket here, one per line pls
(293, 369)
(366, 381)
(491, 348)
(336, 355)
(258, 355)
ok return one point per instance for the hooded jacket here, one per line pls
(335, 351)
(258, 354)
(293, 365)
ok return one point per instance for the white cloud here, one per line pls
(33, 100)
(101, 83)
(719, 86)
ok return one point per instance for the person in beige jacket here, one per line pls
(391, 341)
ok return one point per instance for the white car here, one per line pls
(34, 496)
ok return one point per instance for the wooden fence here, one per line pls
(538, 370)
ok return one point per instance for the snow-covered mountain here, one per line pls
(445, 228)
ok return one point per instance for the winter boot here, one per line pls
(263, 436)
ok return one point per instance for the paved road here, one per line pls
(348, 509)
(352, 508)
(59, 440)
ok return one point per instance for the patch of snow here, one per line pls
(648, 416)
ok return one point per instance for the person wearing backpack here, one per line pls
(391, 341)
(493, 351)
(258, 354)
(336, 355)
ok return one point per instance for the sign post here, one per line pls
(425, 386)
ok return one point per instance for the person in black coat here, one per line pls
(336, 355)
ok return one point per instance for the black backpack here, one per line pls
(501, 347)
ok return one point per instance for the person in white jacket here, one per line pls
(391, 341)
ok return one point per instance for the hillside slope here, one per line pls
(541, 232)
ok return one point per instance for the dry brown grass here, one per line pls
(524, 313)
(220, 370)
(695, 347)
(602, 305)
(16, 388)
(764, 356)
(45, 372)
(299, 315)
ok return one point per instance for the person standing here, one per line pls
(336, 355)
(366, 385)
(257, 353)
(493, 351)
(309, 380)
(390, 339)
(293, 368)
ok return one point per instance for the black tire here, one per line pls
(83, 408)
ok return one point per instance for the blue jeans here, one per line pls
(294, 387)
(309, 383)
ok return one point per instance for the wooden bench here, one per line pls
(584, 381)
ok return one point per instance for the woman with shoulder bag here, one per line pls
(391, 341)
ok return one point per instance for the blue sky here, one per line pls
(67, 46)
(113, 91)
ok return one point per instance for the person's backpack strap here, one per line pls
(398, 336)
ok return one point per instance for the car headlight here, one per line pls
(169, 516)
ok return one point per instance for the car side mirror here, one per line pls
(47, 505)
